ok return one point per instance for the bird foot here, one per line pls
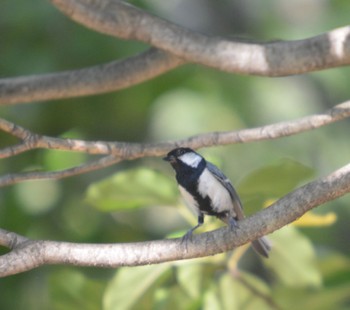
(233, 223)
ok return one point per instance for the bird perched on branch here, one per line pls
(207, 191)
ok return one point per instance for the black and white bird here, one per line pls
(207, 191)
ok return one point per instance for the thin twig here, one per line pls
(126, 150)
(119, 151)
(98, 164)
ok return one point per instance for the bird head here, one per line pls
(183, 156)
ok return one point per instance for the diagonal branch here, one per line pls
(126, 150)
(89, 81)
(94, 165)
(118, 151)
(176, 46)
(280, 58)
(27, 254)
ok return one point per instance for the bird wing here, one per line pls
(237, 204)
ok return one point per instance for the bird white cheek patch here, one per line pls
(191, 159)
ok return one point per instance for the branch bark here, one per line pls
(27, 254)
(279, 58)
(89, 81)
(172, 47)
(118, 151)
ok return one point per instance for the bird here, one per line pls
(207, 191)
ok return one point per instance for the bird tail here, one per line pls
(262, 246)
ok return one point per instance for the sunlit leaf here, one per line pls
(211, 299)
(132, 189)
(293, 259)
(130, 285)
(312, 219)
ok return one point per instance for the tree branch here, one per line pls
(176, 46)
(119, 151)
(126, 150)
(27, 254)
(89, 81)
(279, 58)
(98, 164)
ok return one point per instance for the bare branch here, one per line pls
(89, 81)
(279, 58)
(98, 164)
(119, 151)
(125, 150)
(178, 45)
(28, 254)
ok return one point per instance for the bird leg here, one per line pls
(188, 235)
(233, 223)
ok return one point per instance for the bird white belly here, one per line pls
(191, 203)
(209, 186)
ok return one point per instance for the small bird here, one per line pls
(207, 191)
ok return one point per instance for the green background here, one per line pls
(309, 266)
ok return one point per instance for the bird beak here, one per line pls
(170, 159)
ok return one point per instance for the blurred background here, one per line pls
(309, 266)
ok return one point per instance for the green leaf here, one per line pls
(245, 291)
(71, 289)
(293, 258)
(132, 189)
(321, 299)
(335, 268)
(271, 182)
(189, 277)
(130, 286)
(275, 180)
(211, 299)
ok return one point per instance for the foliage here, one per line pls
(309, 265)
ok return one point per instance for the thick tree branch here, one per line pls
(119, 151)
(178, 45)
(89, 81)
(27, 254)
(280, 58)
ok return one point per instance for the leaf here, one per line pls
(130, 285)
(71, 289)
(132, 189)
(245, 291)
(293, 258)
(271, 182)
(311, 219)
(324, 298)
(189, 277)
(275, 180)
(211, 300)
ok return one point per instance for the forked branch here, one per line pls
(118, 151)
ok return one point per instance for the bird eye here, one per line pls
(181, 152)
